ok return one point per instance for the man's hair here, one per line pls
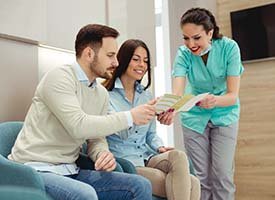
(91, 35)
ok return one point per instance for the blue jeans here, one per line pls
(94, 185)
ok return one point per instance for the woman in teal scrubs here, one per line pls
(209, 62)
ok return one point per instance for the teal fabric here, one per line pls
(16, 174)
(126, 166)
(13, 173)
(223, 60)
(8, 135)
(20, 193)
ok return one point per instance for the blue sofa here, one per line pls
(17, 181)
(15, 177)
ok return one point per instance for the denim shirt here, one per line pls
(137, 143)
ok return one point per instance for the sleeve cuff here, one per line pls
(129, 118)
(155, 146)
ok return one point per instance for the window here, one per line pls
(162, 79)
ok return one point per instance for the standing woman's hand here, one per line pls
(167, 117)
(208, 102)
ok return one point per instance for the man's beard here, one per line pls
(95, 68)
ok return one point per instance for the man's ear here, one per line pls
(89, 53)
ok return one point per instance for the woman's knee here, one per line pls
(177, 156)
(195, 183)
(195, 188)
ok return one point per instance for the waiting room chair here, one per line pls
(18, 180)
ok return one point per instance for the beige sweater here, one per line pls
(63, 114)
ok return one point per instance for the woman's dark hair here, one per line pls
(124, 56)
(91, 35)
(201, 16)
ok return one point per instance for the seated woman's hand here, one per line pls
(164, 149)
(167, 117)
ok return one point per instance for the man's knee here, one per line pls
(141, 184)
(78, 192)
(86, 192)
(144, 182)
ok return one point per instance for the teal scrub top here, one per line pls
(223, 60)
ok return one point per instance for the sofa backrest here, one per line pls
(8, 135)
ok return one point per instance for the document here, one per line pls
(178, 103)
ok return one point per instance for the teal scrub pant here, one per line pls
(212, 154)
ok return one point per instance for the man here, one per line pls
(69, 107)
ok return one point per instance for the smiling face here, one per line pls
(195, 37)
(138, 65)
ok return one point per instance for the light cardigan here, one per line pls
(65, 113)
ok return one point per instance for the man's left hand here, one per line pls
(105, 162)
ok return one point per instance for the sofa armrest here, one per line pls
(127, 166)
(16, 174)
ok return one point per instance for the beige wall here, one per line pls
(22, 62)
(255, 156)
(18, 78)
(55, 23)
(125, 16)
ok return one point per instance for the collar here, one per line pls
(82, 77)
(138, 87)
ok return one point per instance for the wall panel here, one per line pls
(255, 156)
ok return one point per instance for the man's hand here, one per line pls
(164, 149)
(105, 161)
(142, 114)
(166, 117)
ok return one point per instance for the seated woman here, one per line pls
(166, 168)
